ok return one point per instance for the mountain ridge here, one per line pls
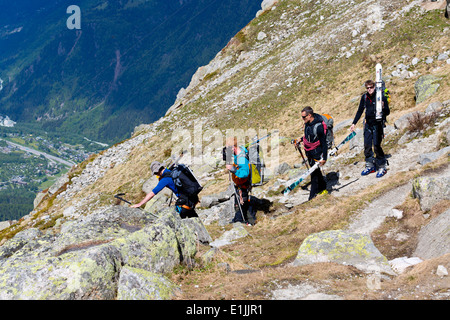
(120, 69)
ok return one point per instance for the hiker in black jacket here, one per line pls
(373, 130)
(315, 145)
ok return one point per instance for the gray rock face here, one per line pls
(139, 284)
(425, 87)
(434, 238)
(430, 190)
(85, 261)
(345, 248)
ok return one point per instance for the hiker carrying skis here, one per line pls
(373, 130)
(185, 205)
(316, 149)
(237, 162)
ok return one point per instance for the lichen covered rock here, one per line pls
(86, 260)
(338, 246)
(425, 87)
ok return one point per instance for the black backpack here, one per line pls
(184, 180)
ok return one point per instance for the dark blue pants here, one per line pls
(318, 183)
(373, 136)
(247, 208)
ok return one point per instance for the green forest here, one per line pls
(15, 202)
(123, 68)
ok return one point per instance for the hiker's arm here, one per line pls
(358, 113)
(147, 198)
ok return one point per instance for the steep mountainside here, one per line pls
(122, 68)
(369, 238)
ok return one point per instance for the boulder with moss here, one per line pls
(86, 258)
(345, 248)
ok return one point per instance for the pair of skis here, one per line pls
(333, 152)
(301, 179)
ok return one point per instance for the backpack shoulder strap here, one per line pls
(317, 125)
(165, 174)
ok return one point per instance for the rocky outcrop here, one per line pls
(431, 190)
(434, 238)
(425, 87)
(341, 247)
(119, 253)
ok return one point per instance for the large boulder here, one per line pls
(425, 87)
(139, 284)
(345, 248)
(230, 236)
(431, 190)
(434, 238)
(425, 158)
(85, 260)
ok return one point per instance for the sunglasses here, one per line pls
(304, 117)
(369, 88)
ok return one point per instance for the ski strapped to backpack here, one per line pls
(379, 93)
(256, 161)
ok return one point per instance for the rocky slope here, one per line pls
(368, 239)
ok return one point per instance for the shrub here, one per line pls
(420, 121)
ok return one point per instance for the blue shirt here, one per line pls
(242, 164)
(166, 182)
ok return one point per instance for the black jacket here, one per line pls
(322, 149)
(369, 104)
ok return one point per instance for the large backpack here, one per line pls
(256, 164)
(327, 122)
(184, 180)
(255, 178)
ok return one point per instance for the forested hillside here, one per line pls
(123, 67)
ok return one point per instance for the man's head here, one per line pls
(229, 149)
(370, 86)
(307, 114)
(156, 167)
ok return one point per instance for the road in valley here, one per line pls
(39, 153)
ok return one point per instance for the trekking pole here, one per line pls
(171, 166)
(296, 146)
(119, 196)
(258, 140)
(238, 199)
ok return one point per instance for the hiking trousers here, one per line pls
(186, 213)
(186, 206)
(373, 136)
(247, 208)
(318, 183)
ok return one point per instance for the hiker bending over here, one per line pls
(237, 162)
(185, 204)
(316, 149)
(373, 130)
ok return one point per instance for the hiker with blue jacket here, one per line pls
(315, 144)
(237, 163)
(373, 130)
(185, 204)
